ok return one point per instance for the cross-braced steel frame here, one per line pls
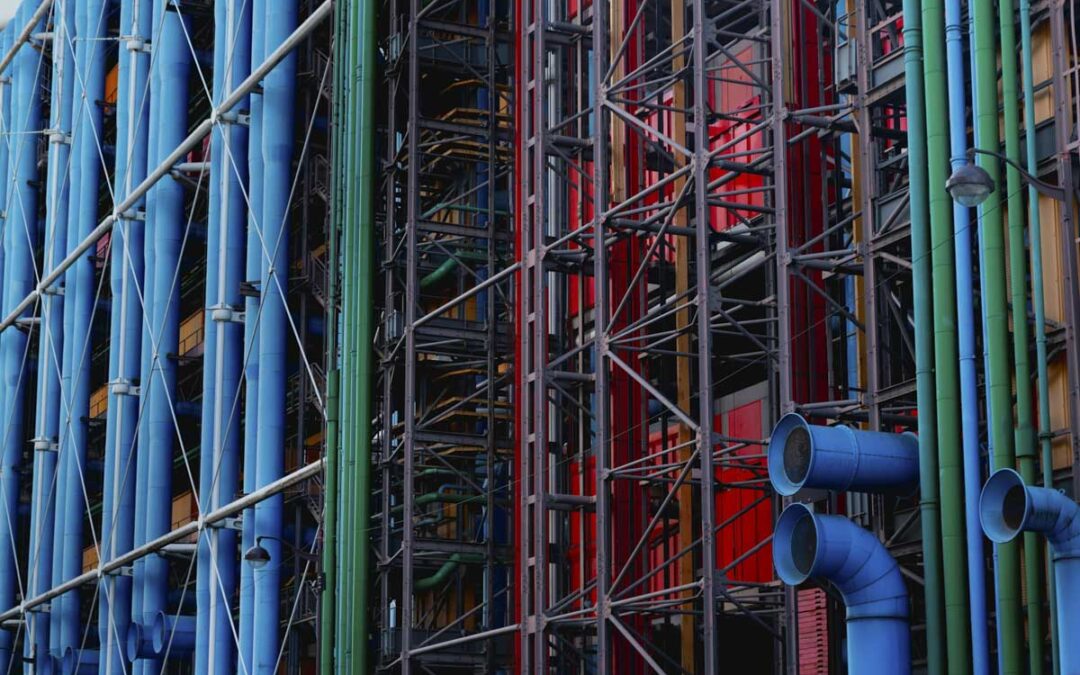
(441, 514)
(651, 204)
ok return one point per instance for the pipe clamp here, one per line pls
(224, 313)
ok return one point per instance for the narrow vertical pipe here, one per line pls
(328, 634)
(166, 222)
(137, 631)
(20, 238)
(950, 461)
(50, 351)
(1037, 298)
(965, 312)
(996, 323)
(929, 510)
(76, 19)
(253, 270)
(360, 411)
(125, 334)
(82, 291)
(224, 343)
(349, 442)
(1024, 429)
(279, 110)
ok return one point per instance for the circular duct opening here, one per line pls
(797, 454)
(804, 544)
(1014, 506)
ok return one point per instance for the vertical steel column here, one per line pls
(704, 314)
(785, 401)
(219, 469)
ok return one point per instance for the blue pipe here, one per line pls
(170, 87)
(142, 445)
(42, 518)
(807, 545)
(56, 651)
(1007, 508)
(965, 314)
(251, 338)
(802, 455)
(224, 340)
(279, 112)
(20, 238)
(81, 285)
(80, 661)
(115, 597)
(174, 636)
(139, 645)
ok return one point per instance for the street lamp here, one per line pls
(970, 185)
(258, 557)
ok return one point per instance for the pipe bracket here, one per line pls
(123, 387)
(224, 313)
(45, 444)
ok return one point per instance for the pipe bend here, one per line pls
(808, 545)
(1008, 507)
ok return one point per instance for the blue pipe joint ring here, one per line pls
(140, 644)
(1008, 507)
(803, 455)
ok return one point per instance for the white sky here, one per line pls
(7, 9)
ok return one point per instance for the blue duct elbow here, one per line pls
(803, 455)
(832, 548)
(1007, 508)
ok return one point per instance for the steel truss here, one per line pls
(648, 210)
(441, 514)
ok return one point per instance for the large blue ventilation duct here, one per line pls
(832, 548)
(803, 455)
(1007, 507)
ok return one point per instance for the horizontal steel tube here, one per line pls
(218, 515)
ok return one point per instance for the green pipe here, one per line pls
(328, 599)
(440, 273)
(946, 356)
(1025, 429)
(442, 575)
(362, 177)
(996, 324)
(439, 498)
(929, 513)
(346, 650)
(1037, 299)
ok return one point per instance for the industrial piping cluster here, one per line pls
(122, 194)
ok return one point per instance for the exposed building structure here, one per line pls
(435, 336)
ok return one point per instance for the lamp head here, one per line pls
(969, 185)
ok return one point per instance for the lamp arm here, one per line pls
(1042, 187)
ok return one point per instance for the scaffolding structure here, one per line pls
(446, 336)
